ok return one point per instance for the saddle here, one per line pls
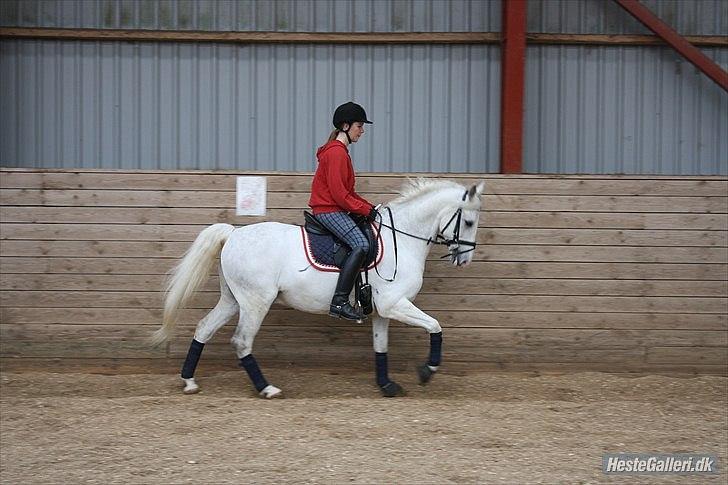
(329, 251)
(326, 252)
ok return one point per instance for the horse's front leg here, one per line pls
(380, 327)
(406, 312)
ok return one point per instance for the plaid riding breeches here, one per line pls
(341, 224)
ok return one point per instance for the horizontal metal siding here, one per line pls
(221, 106)
(635, 110)
(262, 15)
(689, 17)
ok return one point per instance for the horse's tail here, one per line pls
(191, 272)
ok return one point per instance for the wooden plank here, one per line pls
(373, 174)
(696, 355)
(248, 37)
(100, 232)
(597, 203)
(462, 341)
(70, 332)
(84, 315)
(368, 182)
(583, 237)
(211, 364)
(348, 38)
(430, 302)
(126, 198)
(107, 366)
(171, 366)
(487, 235)
(598, 254)
(617, 39)
(605, 360)
(618, 271)
(345, 352)
(111, 348)
(282, 200)
(111, 249)
(187, 233)
(374, 38)
(525, 269)
(479, 269)
(504, 238)
(126, 340)
(455, 337)
(575, 303)
(384, 183)
(447, 318)
(594, 220)
(148, 198)
(207, 216)
(439, 285)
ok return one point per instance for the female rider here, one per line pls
(333, 197)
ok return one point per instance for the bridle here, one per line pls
(439, 240)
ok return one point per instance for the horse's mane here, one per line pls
(413, 188)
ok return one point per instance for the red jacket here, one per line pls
(332, 189)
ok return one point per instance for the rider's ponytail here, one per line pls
(333, 136)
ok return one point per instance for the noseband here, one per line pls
(440, 239)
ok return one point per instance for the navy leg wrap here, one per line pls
(435, 349)
(193, 357)
(382, 373)
(251, 367)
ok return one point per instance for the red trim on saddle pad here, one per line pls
(334, 269)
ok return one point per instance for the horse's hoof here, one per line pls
(391, 389)
(191, 387)
(425, 373)
(271, 392)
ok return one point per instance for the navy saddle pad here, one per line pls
(329, 251)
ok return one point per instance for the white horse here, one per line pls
(265, 262)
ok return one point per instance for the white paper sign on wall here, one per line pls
(250, 196)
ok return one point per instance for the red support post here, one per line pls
(513, 67)
(676, 41)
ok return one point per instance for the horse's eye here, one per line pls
(468, 223)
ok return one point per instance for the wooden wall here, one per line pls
(612, 273)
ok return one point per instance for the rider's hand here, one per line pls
(373, 214)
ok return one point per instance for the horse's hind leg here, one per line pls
(251, 317)
(225, 309)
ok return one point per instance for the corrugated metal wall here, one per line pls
(147, 105)
(436, 108)
(618, 110)
(689, 17)
(259, 15)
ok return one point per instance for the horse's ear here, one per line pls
(480, 189)
(476, 190)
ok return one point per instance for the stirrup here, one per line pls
(340, 311)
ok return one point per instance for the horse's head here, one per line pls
(459, 228)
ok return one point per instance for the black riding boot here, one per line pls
(340, 306)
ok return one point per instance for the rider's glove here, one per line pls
(373, 214)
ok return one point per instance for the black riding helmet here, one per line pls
(349, 113)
